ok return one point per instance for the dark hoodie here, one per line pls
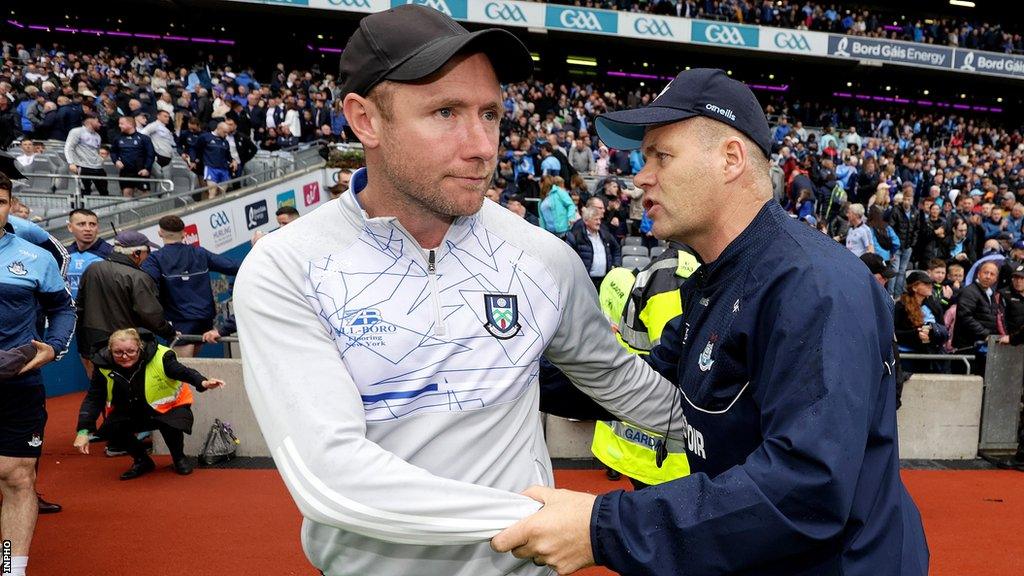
(129, 397)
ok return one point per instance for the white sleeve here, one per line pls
(69, 147)
(311, 414)
(586, 350)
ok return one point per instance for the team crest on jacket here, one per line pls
(36, 441)
(17, 268)
(705, 362)
(502, 313)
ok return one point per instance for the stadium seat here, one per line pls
(632, 241)
(629, 250)
(656, 251)
(635, 262)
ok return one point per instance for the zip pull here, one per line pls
(431, 264)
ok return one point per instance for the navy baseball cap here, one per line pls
(411, 42)
(133, 239)
(707, 92)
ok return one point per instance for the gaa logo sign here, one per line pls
(652, 27)
(792, 41)
(504, 12)
(580, 20)
(351, 3)
(439, 5)
(219, 219)
(724, 35)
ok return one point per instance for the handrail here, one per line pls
(49, 226)
(965, 358)
(198, 339)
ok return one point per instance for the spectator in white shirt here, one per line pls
(858, 239)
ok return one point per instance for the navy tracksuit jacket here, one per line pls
(784, 361)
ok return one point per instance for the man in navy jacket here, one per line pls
(182, 275)
(784, 364)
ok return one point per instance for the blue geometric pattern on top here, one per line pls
(413, 345)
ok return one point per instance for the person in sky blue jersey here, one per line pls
(30, 282)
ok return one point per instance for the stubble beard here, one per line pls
(419, 191)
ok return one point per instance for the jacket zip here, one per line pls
(439, 329)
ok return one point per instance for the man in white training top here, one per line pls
(392, 337)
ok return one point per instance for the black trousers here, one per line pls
(87, 183)
(121, 433)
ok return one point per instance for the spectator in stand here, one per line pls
(976, 315)
(10, 125)
(942, 290)
(960, 246)
(27, 156)
(1011, 301)
(599, 250)
(549, 164)
(557, 210)
(133, 155)
(906, 223)
(918, 320)
(581, 158)
(517, 205)
(182, 274)
(134, 362)
(859, 237)
(601, 165)
(286, 139)
(214, 151)
(164, 145)
(241, 145)
(885, 242)
(82, 151)
(286, 215)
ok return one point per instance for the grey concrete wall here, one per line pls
(230, 404)
(940, 417)
(567, 438)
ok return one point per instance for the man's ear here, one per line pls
(363, 118)
(734, 153)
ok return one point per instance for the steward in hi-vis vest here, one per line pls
(644, 305)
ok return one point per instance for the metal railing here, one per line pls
(198, 339)
(965, 358)
(166, 185)
(132, 216)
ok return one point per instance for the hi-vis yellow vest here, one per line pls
(644, 308)
(162, 392)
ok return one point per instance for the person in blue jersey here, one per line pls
(182, 275)
(214, 151)
(84, 226)
(30, 281)
(32, 232)
(784, 362)
(133, 154)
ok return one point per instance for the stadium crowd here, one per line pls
(934, 202)
(958, 178)
(830, 17)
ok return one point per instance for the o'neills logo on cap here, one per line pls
(721, 111)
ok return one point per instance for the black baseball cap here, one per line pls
(876, 265)
(917, 277)
(707, 92)
(411, 42)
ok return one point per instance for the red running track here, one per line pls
(229, 522)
